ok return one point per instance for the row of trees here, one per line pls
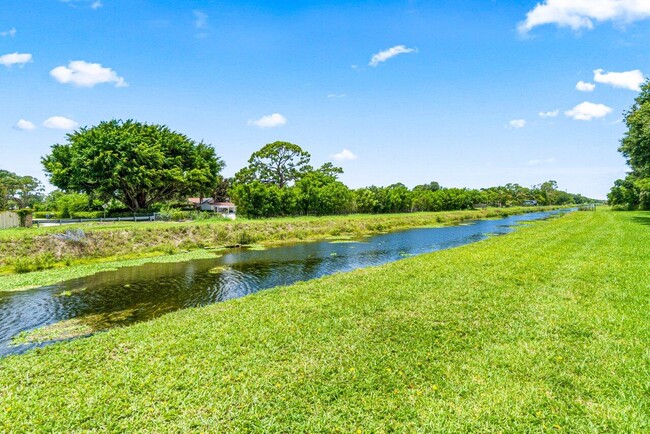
(633, 192)
(136, 167)
(279, 181)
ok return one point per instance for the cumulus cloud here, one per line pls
(551, 114)
(631, 80)
(11, 59)
(24, 125)
(383, 56)
(538, 162)
(344, 155)
(582, 14)
(587, 111)
(517, 123)
(84, 74)
(96, 4)
(583, 86)
(336, 95)
(9, 33)
(269, 121)
(60, 123)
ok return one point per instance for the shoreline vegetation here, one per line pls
(37, 257)
(544, 329)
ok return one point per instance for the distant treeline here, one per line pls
(280, 182)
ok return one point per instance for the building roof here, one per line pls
(210, 201)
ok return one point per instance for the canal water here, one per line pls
(129, 295)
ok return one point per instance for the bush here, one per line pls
(45, 214)
(35, 263)
(87, 214)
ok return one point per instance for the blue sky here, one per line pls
(454, 94)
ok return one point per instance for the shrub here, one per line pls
(46, 214)
(44, 261)
(87, 214)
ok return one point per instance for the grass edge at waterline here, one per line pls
(44, 258)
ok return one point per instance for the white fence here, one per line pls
(9, 219)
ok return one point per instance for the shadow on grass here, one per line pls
(642, 219)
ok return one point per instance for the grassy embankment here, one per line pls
(545, 329)
(38, 256)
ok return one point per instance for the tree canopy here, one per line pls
(635, 145)
(18, 191)
(278, 163)
(633, 192)
(135, 163)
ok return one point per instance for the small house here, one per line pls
(227, 209)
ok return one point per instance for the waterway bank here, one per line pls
(81, 250)
(124, 296)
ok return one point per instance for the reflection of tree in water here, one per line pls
(135, 294)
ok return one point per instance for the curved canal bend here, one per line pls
(129, 295)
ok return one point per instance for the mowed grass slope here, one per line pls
(545, 329)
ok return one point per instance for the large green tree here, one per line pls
(633, 192)
(635, 145)
(18, 191)
(135, 163)
(279, 163)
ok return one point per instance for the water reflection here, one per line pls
(135, 294)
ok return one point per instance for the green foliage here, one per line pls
(39, 262)
(19, 191)
(320, 193)
(278, 163)
(542, 330)
(633, 192)
(256, 199)
(635, 145)
(69, 205)
(134, 163)
(221, 192)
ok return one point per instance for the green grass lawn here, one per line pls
(543, 330)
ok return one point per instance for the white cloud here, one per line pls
(538, 162)
(583, 86)
(587, 111)
(84, 74)
(269, 121)
(344, 155)
(24, 125)
(551, 114)
(94, 4)
(517, 123)
(60, 123)
(11, 59)
(579, 14)
(11, 33)
(336, 95)
(631, 80)
(383, 56)
(200, 19)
